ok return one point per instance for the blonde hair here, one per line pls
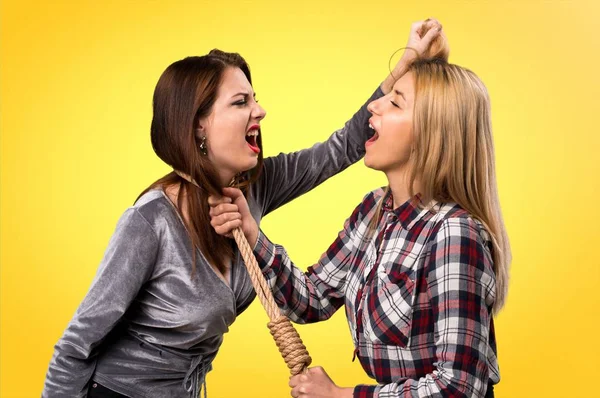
(453, 149)
(453, 152)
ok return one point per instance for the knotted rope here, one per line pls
(286, 337)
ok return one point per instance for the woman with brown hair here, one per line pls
(169, 287)
(421, 265)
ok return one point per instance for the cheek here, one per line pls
(405, 135)
(397, 145)
(399, 131)
(405, 127)
(226, 131)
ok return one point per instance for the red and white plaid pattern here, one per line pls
(418, 297)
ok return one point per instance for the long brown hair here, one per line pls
(184, 94)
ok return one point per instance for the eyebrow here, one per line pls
(244, 94)
(400, 94)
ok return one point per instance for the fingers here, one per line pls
(233, 193)
(216, 200)
(430, 35)
(222, 209)
(296, 380)
(238, 198)
(225, 217)
(298, 391)
(226, 227)
(421, 28)
(431, 22)
(415, 26)
(229, 196)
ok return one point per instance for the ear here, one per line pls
(200, 131)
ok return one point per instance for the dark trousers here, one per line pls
(490, 391)
(97, 390)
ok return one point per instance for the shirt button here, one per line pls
(95, 385)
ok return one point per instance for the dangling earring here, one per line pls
(203, 147)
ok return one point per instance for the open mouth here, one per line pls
(252, 140)
(371, 140)
(375, 136)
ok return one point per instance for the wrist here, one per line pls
(399, 70)
(403, 65)
(345, 392)
(409, 55)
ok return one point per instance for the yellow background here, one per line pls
(76, 84)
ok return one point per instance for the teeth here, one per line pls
(253, 133)
(371, 126)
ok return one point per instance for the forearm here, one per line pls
(304, 297)
(287, 176)
(400, 69)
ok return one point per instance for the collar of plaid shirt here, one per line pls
(411, 211)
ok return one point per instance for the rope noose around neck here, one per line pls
(286, 337)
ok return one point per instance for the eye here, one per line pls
(240, 102)
(395, 104)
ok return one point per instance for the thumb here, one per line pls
(238, 198)
(232, 193)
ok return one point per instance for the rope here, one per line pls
(286, 337)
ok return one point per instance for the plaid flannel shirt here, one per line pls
(418, 296)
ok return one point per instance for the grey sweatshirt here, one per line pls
(146, 327)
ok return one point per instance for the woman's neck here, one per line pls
(398, 182)
(225, 178)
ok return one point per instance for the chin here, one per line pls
(370, 164)
(249, 166)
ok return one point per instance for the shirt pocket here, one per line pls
(389, 306)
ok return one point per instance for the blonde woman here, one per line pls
(420, 265)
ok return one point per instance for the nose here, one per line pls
(373, 106)
(259, 113)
